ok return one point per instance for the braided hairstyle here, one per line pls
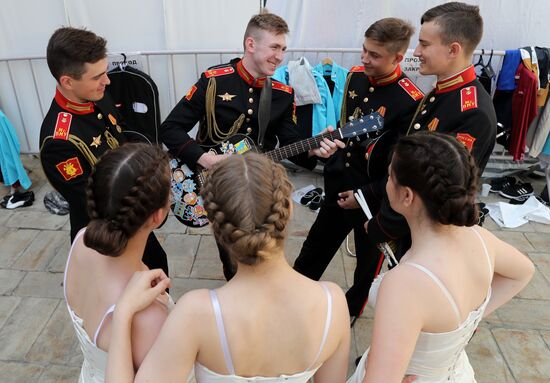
(444, 174)
(127, 185)
(247, 199)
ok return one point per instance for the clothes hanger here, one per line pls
(124, 63)
(327, 61)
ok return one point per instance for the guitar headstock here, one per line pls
(371, 123)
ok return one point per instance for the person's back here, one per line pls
(105, 255)
(268, 323)
(428, 307)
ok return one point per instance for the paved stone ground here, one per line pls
(37, 343)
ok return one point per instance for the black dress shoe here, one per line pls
(310, 195)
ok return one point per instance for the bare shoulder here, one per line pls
(196, 302)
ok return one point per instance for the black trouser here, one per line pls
(154, 255)
(326, 235)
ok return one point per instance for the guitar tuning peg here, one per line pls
(361, 120)
(358, 139)
(372, 117)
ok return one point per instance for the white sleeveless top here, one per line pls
(205, 375)
(95, 359)
(437, 357)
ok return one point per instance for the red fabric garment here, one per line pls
(524, 110)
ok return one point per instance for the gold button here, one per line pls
(251, 100)
(250, 90)
(351, 143)
(432, 99)
(348, 154)
(99, 116)
(247, 119)
(367, 156)
(371, 89)
(250, 111)
(249, 130)
(347, 165)
(416, 126)
(423, 112)
(366, 99)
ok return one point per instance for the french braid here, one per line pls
(442, 172)
(126, 186)
(247, 199)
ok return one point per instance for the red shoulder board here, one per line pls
(468, 98)
(219, 72)
(467, 140)
(62, 126)
(190, 93)
(281, 86)
(411, 89)
(357, 68)
(70, 169)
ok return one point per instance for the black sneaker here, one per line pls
(522, 200)
(501, 183)
(517, 191)
(20, 200)
(311, 195)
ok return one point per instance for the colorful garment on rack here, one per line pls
(335, 76)
(323, 113)
(506, 77)
(10, 161)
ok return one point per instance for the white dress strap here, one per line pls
(328, 321)
(441, 286)
(98, 329)
(486, 253)
(78, 235)
(221, 332)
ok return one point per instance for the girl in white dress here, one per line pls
(128, 197)
(268, 324)
(428, 307)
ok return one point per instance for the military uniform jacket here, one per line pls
(458, 106)
(395, 97)
(225, 101)
(72, 138)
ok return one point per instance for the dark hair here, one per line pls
(459, 22)
(444, 174)
(70, 48)
(265, 21)
(247, 198)
(126, 186)
(394, 33)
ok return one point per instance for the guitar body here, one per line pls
(187, 204)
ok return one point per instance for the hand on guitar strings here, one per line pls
(327, 147)
(208, 159)
(347, 200)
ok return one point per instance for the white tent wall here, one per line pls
(26, 87)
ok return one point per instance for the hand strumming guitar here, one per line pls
(208, 159)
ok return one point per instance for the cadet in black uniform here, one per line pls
(81, 124)
(225, 100)
(458, 105)
(380, 86)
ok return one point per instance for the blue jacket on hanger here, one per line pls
(10, 162)
(323, 113)
(338, 75)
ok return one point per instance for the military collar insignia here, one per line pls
(71, 106)
(456, 81)
(226, 96)
(387, 79)
(96, 141)
(219, 72)
(248, 78)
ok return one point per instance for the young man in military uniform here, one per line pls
(225, 100)
(458, 105)
(377, 86)
(81, 124)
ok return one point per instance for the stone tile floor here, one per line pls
(37, 343)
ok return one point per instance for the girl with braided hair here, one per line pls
(128, 196)
(263, 325)
(455, 273)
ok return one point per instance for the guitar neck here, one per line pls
(301, 146)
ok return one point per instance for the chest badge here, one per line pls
(352, 94)
(96, 141)
(432, 126)
(112, 119)
(227, 96)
